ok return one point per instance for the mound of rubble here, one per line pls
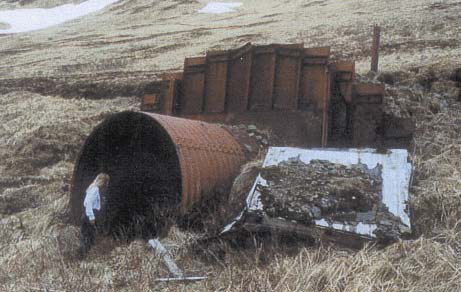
(337, 195)
(304, 192)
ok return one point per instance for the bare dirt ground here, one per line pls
(127, 45)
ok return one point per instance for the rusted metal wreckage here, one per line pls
(168, 157)
(148, 154)
(302, 95)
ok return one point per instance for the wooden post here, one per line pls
(375, 48)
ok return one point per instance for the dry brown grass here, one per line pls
(40, 136)
(133, 38)
(38, 248)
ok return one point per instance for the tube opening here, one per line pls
(145, 182)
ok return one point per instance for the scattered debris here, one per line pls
(178, 274)
(352, 191)
(306, 192)
(305, 97)
(159, 166)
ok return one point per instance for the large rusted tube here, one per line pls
(156, 157)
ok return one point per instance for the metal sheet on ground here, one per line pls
(396, 175)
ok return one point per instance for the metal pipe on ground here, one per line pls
(177, 273)
(158, 165)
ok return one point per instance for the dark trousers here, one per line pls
(87, 235)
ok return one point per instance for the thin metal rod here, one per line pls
(178, 274)
(161, 251)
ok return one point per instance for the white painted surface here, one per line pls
(220, 7)
(360, 228)
(24, 20)
(254, 199)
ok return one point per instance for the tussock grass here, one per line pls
(38, 247)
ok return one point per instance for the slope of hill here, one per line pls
(140, 36)
(130, 43)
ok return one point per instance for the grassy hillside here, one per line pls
(133, 41)
(26, 4)
(140, 36)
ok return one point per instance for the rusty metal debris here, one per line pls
(168, 160)
(178, 274)
(161, 164)
(303, 85)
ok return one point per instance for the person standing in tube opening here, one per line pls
(93, 204)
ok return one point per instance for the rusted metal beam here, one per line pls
(262, 78)
(150, 102)
(375, 48)
(171, 97)
(191, 101)
(215, 81)
(238, 82)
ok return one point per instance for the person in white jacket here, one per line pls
(93, 203)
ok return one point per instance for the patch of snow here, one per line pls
(24, 20)
(220, 7)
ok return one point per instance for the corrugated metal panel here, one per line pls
(262, 78)
(315, 84)
(209, 156)
(287, 78)
(191, 101)
(216, 81)
(239, 79)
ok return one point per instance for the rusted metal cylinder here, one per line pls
(205, 157)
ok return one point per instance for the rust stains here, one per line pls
(165, 161)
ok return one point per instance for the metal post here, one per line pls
(375, 48)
